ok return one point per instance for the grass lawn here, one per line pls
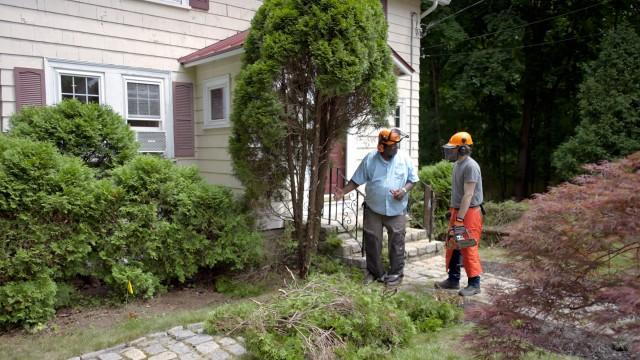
(64, 345)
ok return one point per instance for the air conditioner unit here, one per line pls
(152, 141)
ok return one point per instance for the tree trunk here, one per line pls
(532, 81)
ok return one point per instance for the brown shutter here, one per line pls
(199, 4)
(183, 134)
(29, 87)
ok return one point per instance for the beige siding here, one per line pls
(400, 39)
(134, 33)
(212, 145)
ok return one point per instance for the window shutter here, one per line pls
(29, 87)
(199, 4)
(183, 134)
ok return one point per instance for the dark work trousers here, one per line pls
(396, 229)
(454, 266)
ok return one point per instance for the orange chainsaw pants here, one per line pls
(470, 255)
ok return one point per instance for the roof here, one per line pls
(226, 47)
(223, 46)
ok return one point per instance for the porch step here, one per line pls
(351, 247)
(413, 251)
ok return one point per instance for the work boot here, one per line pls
(369, 278)
(469, 291)
(393, 279)
(447, 284)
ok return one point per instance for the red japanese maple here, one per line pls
(578, 265)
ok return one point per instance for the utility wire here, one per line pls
(520, 26)
(517, 47)
(437, 22)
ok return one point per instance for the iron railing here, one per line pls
(346, 212)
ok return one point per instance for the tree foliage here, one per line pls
(95, 133)
(609, 104)
(578, 252)
(508, 72)
(312, 70)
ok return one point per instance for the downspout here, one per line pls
(430, 9)
(413, 13)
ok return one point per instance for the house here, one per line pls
(168, 66)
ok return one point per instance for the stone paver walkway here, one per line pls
(425, 272)
(190, 343)
(183, 343)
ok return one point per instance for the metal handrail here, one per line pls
(354, 207)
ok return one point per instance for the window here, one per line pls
(85, 89)
(216, 102)
(399, 116)
(141, 96)
(144, 103)
(396, 117)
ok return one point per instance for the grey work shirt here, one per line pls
(464, 171)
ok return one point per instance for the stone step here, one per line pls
(350, 246)
(413, 251)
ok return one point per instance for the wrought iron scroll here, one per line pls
(345, 212)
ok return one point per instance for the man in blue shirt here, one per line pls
(389, 176)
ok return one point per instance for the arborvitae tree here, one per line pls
(312, 70)
(609, 102)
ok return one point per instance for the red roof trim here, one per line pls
(236, 42)
(229, 44)
(397, 56)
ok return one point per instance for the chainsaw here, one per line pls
(457, 241)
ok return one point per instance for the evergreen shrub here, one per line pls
(47, 222)
(95, 133)
(27, 303)
(438, 176)
(167, 223)
(331, 317)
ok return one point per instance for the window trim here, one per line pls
(220, 82)
(402, 105)
(59, 72)
(143, 80)
(184, 4)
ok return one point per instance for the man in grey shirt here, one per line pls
(466, 214)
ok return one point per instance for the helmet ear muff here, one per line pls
(464, 150)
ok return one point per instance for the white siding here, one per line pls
(132, 33)
(400, 39)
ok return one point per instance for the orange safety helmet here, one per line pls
(460, 138)
(390, 137)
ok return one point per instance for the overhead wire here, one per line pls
(520, 26)
(437, 22)
(517, 47)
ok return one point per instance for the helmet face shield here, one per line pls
(450, 152)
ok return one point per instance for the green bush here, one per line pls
(27, 303)
(502, 213)
(47, 212)
(48, 223)
(166, 221)
(331, 316)
(92, 132)
(438, 176)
